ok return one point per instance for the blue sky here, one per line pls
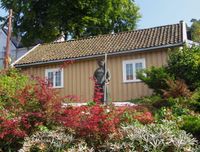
(162, 12)
(2, 12)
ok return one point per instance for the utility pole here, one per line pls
(7, 59)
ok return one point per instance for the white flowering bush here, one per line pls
(81, 146)
(155, 137)
(47, 140)
(131, 138)
(160, 138)
(118, 143)
(54, 141)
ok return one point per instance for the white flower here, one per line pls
(107, 110)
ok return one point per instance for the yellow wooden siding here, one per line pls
(77, 76)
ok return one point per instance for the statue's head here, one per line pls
(101, 62)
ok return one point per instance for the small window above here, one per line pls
(54, 77)
(130, 68)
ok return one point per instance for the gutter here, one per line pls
(94, 56)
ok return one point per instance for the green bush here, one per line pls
(11, 81)
(185, 64)
(194, 103)
(155, 78)
(191, 124)
(148, 100)
(173, 110)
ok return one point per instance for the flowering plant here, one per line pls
(97, 122)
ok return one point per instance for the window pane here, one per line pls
(50, 79)
(58, 78)
(129, 71)
(138, 67)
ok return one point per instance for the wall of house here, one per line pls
(21, 51)
(3, 46)
(77, 75)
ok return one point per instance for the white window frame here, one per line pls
(133, 62)
(54, 78)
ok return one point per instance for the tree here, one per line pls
(195, 30)
(185, 64)
(47, 19)
(156, 78)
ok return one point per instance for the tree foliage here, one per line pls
(156, 78)
(185, 64)
(47, 19)
(195, 30)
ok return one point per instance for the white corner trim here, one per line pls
(12, 65)
(184, 31)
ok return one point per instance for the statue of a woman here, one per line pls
(101, 81)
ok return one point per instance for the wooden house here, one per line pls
(70, 64)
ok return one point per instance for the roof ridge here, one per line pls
(110, 34)
(160, 26)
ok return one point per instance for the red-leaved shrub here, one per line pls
(144, 118)
(23, 109)
(38, 99)
(11, 134)
(25, 104)
(97, 122)
(94, 122)
(31, 120)
(10, 129)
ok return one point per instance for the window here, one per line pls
(54, 77)
(130, 68)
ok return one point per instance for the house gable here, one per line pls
(3, 38)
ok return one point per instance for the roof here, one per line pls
(123, 42)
